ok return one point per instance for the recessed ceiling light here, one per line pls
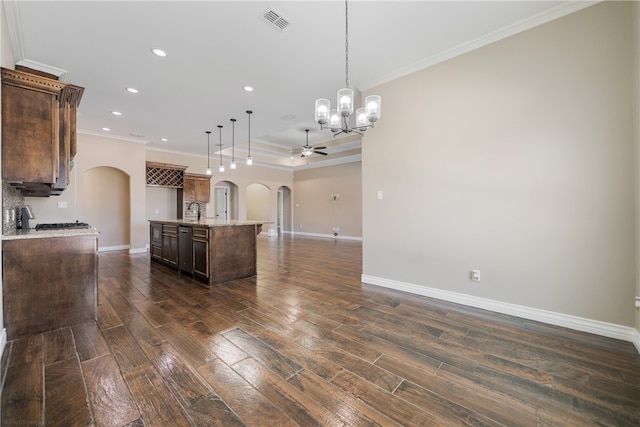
(132, 90)
(247, 88)
(163, 139)
(116, 113)
(158, 52)
(106, 129)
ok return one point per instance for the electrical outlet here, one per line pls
(62, 204)
(475, 275)
(638, 303)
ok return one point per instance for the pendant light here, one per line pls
(208, 170)
(337, 120)
(232, 165)
(221, 167)
(249, 159)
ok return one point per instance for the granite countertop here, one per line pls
(40, 234)
(209, 222)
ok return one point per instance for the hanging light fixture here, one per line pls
(221, 167)
(208, 170)
(232, 165)
(249, 159)
(338, 120)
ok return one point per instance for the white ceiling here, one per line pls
(216, 47)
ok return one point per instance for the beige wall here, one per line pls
(515, 159)
(258, 202)
(314, 209)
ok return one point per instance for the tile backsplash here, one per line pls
(12, 199)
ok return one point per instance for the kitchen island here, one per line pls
(215, 251)
(49, 279)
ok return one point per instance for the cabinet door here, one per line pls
(201, 258)
(170, 245)
(202, 190)
(190, 191)
(156, 241)
(201, 252)
(33, 155)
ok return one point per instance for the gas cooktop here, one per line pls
(62, 225)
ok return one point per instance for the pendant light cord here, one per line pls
(346, 44)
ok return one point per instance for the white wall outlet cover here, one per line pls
(62, 204)
(379, 194)
(475, 275)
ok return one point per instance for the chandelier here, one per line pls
(338, 120)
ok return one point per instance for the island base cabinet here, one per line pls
(219, 253)
(48, 283)
(233, 253)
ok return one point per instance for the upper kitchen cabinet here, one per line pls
(38, 131)
(197, 187)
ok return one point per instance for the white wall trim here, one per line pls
(558, 319)
(113, 248)
(14, 26)
(137, 251)
(636, 339)
(324, 236)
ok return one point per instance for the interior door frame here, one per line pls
(280, 213)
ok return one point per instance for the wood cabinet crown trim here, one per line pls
(31, 81)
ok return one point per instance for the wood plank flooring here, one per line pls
(305, 343)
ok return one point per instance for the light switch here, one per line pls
(379, 194)
(62, 205)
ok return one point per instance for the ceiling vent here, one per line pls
(275, 19)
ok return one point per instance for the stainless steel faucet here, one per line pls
(198, 206)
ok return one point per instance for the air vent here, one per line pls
(288, 117)
(275, 19)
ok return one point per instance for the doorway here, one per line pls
(221, 203)
(284, 210)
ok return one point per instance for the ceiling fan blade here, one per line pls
(320, 148)
(320, 152)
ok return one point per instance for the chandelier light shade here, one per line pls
(232, 165)
(221, 167)
(208, 169)
(338, 120)
(249, 159)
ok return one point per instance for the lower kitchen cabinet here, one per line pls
(201, 252)
(170, 244)
(48, 282)
(156, 241)
(219, 252)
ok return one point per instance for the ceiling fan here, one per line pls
(308, 150)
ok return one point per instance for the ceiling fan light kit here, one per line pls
(338, 119)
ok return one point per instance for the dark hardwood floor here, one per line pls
(305, 343)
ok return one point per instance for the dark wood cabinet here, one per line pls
(156, 241)
(170, 244)
(38, 132)
(201, 252)
(197, 188)
(219, 252)
(48, 283)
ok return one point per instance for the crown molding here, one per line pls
(14, 26)
(484, 40)
(59, 72)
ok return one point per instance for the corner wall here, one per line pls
(515, 159)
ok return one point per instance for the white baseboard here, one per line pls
(636, 339)
(138, 250)
(324, 236)
(558, 319)
(112, 248)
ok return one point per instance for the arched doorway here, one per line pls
(284, 223)
(225, 200)
(107, 206)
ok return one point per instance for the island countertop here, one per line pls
(209, 222)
